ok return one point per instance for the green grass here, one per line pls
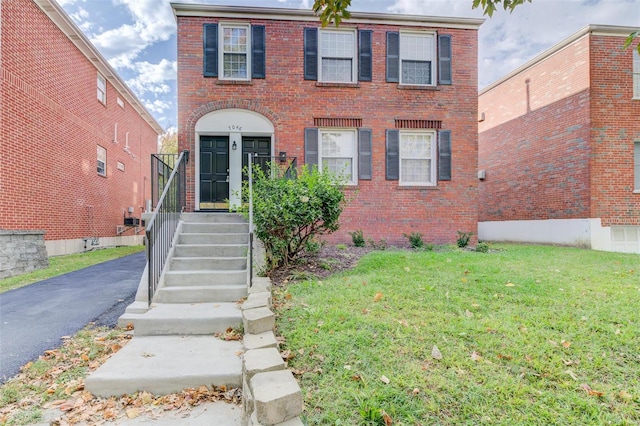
(528, 335)
(60, 265)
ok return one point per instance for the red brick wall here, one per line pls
(51, 125)
(381, 208)
(534, 141)
(615, 125)
(557, 140)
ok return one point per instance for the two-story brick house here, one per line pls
(389, 100)
(559, 146)
(75, 141)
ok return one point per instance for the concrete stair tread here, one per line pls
(206, 272)
(167, 364)
(177, 311)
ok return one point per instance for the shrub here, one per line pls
(357, 237)
(289, 214)
(463, 238)
(415, 240)
(482, 247)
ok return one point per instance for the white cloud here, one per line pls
(158, 106)
(65, 3)
(80, 19)
(153, 22)
(151, 78)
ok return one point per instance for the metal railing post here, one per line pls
(250, 162)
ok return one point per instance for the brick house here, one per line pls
(76, 141)
(559, 146)
(390, 100)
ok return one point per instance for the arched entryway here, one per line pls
(223, 138)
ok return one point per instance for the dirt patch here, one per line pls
(328, 261)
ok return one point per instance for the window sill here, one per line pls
(326, 84)
(636, 191)
(417, 187)
(416, 87)
(234, 82)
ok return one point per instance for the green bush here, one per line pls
(415, 240)
(289, 214)
(482, 247)
(463, 238)
(357, 237)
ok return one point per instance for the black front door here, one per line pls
(214, 172)
(260, 146)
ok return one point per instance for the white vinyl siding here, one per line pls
(234, 52)
(102, 161)
(417, 58)
(417, 158)
(338, 56)
(338, 153)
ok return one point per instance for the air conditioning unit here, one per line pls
(131, 221)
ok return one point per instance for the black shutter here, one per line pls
(210, 54)
(444, 155)
(258, 51)
(444, 59)
(365, 64)
(393, 57)
(310, 53)
(311, 147)
(364, 154)
(393, 155)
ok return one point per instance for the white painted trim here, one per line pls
(282, 14)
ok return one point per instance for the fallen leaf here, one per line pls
(387, 419)
(590, 391)
(572, 374)
(385, 379)
(435, 352)
(509, 284)
(377, 297)
(347, 367)
(132, 413)
(475, 356)
(507, 357)
(415, 391)
(365, 311)
(301, 351)
(406, 268)
(565, 344)
(468, 313)
(287, 355)
(624, 395)
(356, 378)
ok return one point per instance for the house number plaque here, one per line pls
(237, 127)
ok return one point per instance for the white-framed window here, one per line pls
(636, 166)
(418, 158)
(234, 52)
(338, 153)
(337, 57)
(120, 102)
(636, 74)
(102, 89)
(418, 58)
(102, 161)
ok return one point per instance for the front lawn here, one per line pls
(520, 335)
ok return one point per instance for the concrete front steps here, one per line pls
(174, 346)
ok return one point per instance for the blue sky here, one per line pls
(138, 36)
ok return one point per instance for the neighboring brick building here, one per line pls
(391, 99)
(75, 141)
(559, 145)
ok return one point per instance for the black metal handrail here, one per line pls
(164, 222)
(161, 167)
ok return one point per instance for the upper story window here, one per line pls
(234, 51)
(419, 58)
(102, 89)
(338, 62)
(337, 56)
(102, 161)
(234, 54)
(636, 74)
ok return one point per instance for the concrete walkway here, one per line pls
(35, 317)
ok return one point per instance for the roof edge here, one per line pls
(191, 9)
(609, 30)
(59, 17)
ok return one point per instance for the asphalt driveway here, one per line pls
(35, 317)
